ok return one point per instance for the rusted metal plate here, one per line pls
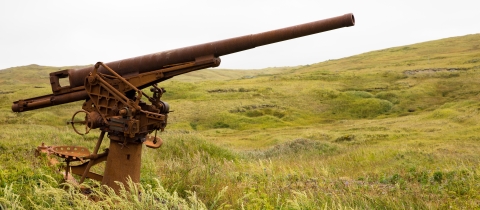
(153, 142)
(71, 152)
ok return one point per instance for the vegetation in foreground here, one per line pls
(395, 128)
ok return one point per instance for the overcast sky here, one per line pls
(61, 32)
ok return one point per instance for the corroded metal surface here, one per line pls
(123, 162)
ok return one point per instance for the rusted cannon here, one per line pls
(112, 95)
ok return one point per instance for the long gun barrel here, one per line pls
(171, 58)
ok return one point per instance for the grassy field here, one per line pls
(390, 129)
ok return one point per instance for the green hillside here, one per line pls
(394, 128)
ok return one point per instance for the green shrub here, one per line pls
(296, 148)
(359, 105)
(389, 96)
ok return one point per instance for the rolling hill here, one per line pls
(394, 128)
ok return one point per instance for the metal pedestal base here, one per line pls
(122, 162)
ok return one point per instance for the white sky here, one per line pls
(61, 33)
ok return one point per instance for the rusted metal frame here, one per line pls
(154, 116)
(99, 142)
(146, 79)
(116, 75)
(128, 126)
(204, 62)
(169, 75)
(149, 77)
(139, 92)
(55, 80)
(80, 169)
(152, 119)
(67, 89)
(133, 128)
(95, 151)
(112, 89)
(55, 83)
(117, 94)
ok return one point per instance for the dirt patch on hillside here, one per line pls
(433, 70)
